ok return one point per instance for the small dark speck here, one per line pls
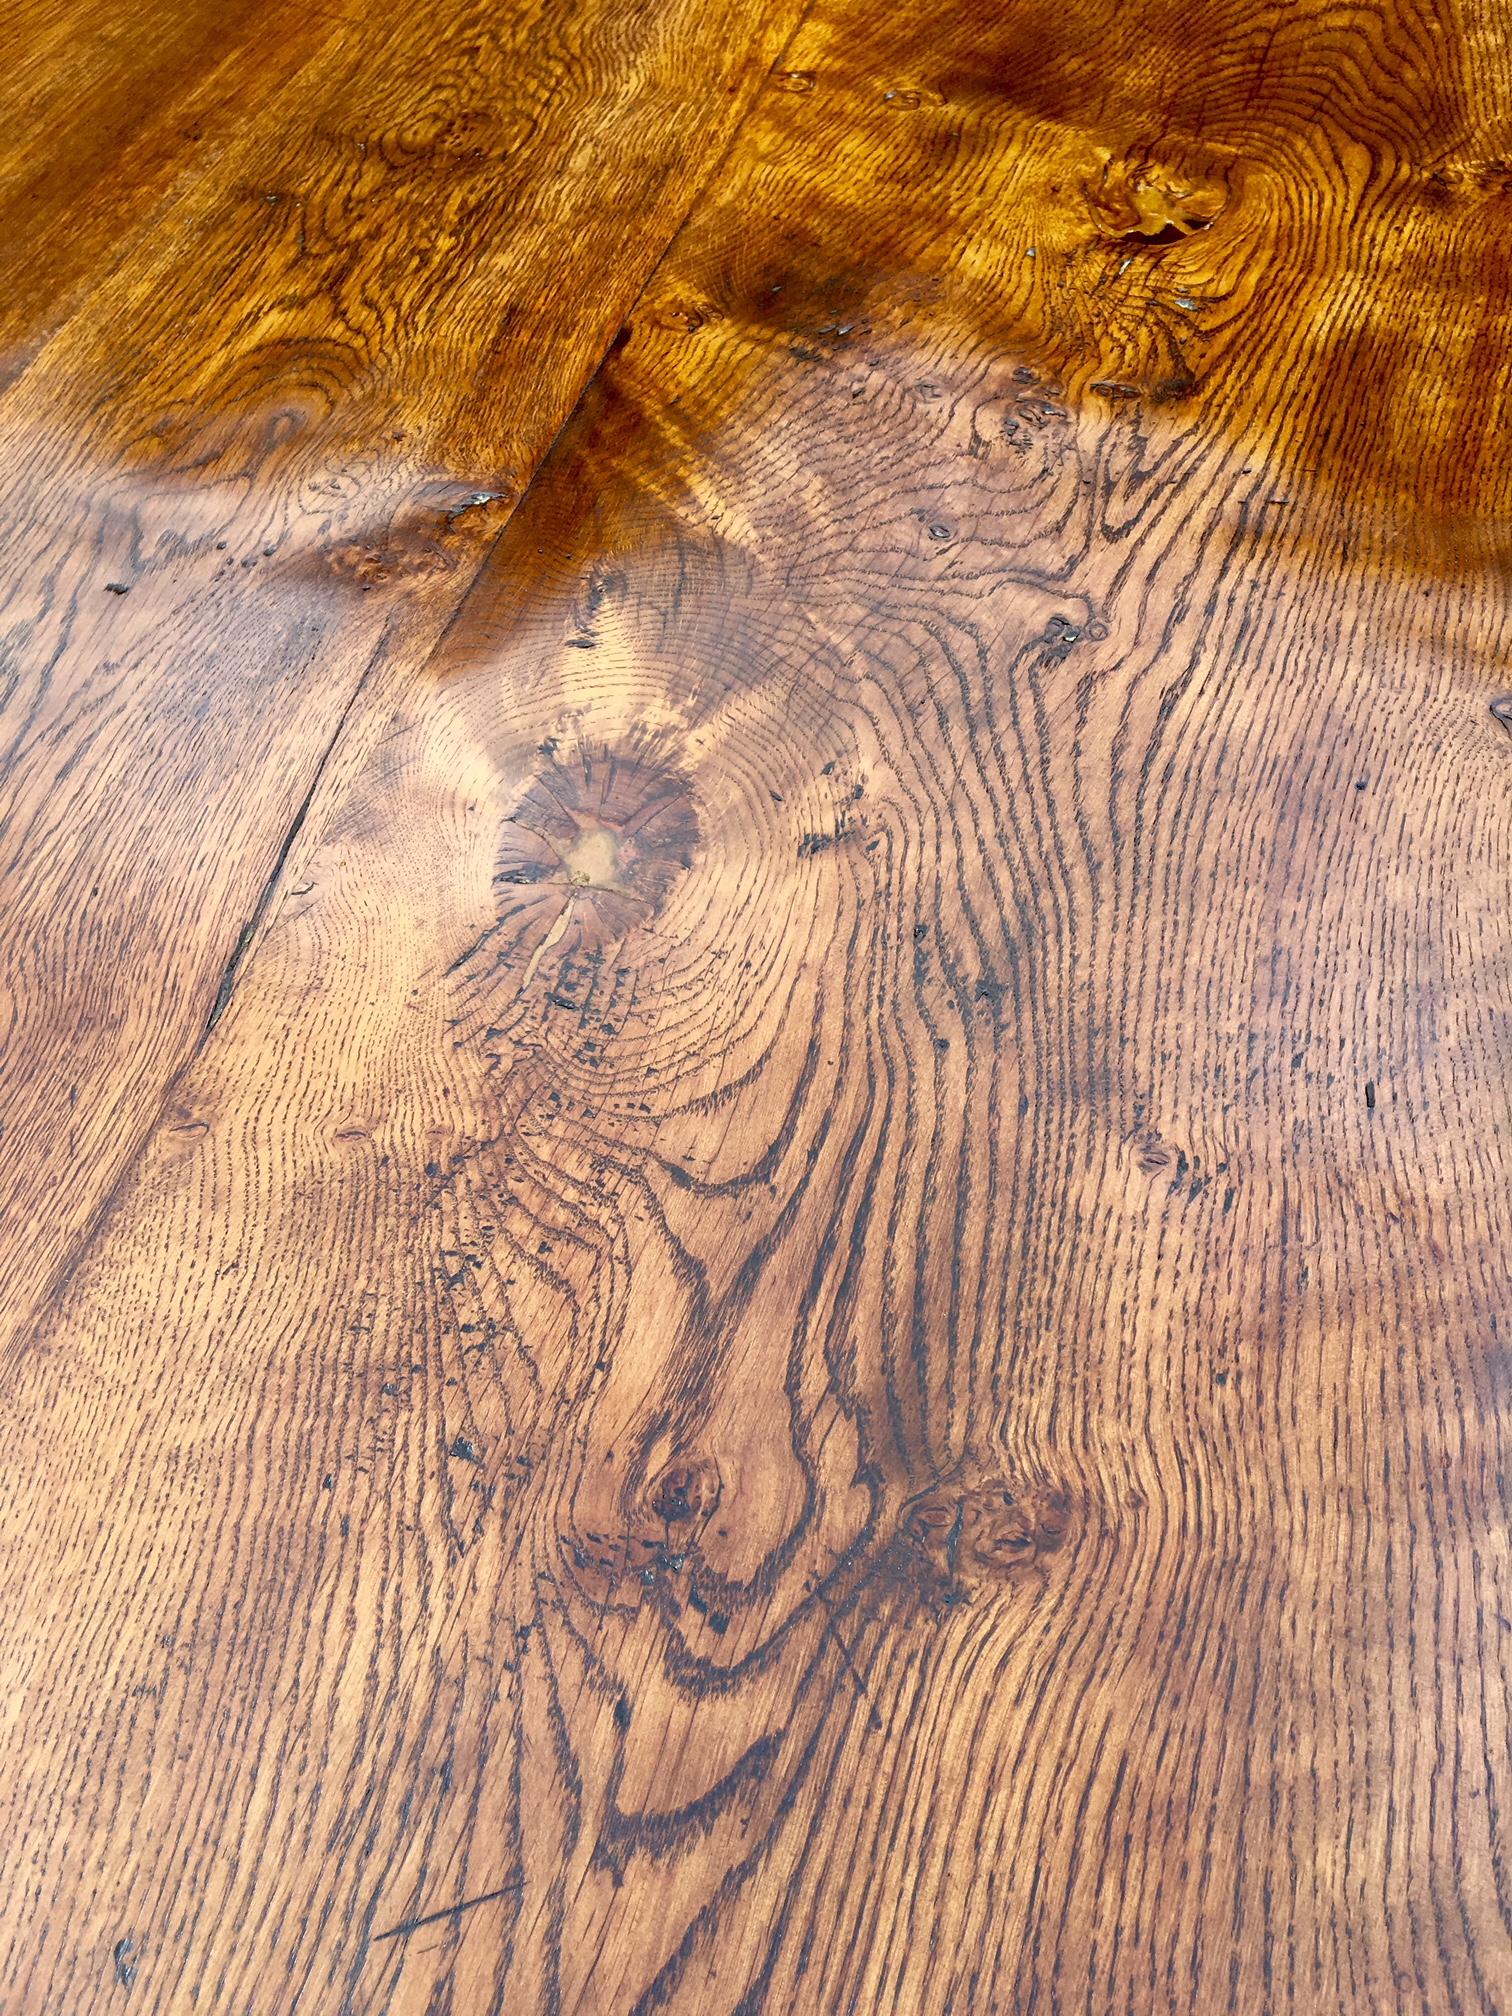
(328, 1482)
(1362, 783)
(622, 1712)
(125, 1966)
(1220, 1378)
(390, 1388)
(433, 1168)
(718, 1622)
(1501, 707)
(117, 587)
(939, 531)
(465, 1450)
(1370, 1094)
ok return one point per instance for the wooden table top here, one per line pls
(756, 1008)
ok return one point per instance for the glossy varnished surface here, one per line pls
(252, 456)
(824, 1327)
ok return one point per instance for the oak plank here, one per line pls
(258, 464)
(100, 112)
(826, 1329)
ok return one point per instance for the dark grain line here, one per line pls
(448, 1913)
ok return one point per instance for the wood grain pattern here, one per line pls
(101, 112)
(826, 1329)
(260, 463)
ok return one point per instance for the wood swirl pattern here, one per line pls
(251, 459)
(827, 1328)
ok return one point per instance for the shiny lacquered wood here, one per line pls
(825, 1326)
(251, 457)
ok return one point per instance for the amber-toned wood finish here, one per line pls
(824, 1328)
(379, 251)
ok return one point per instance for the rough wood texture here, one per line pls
(826, 1330)
(260, 463)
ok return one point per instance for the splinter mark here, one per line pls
(451, 1911)
(554, 936)
(848, 1657)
